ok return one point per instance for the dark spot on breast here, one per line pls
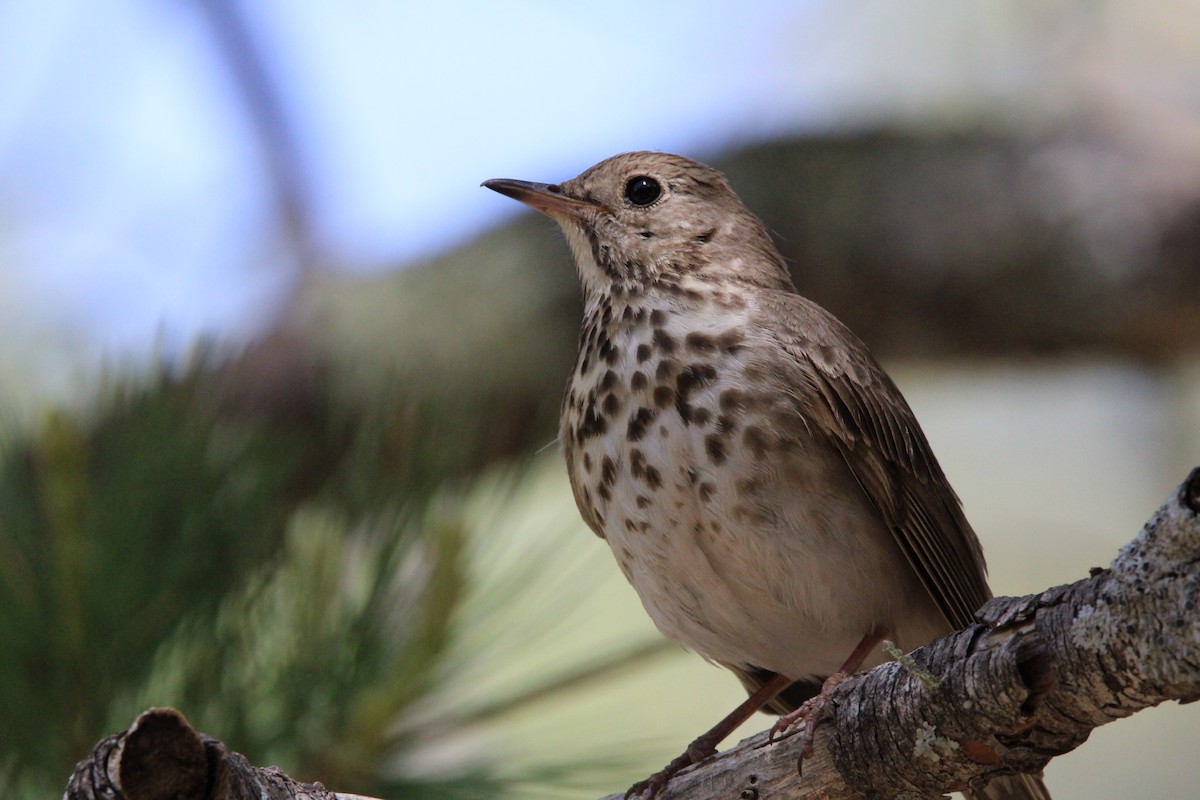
(686, 382)
(692, 476)
(663, 396)
(643, 501)
(731, 341)
(726, 424)
(731, 400)
(611, 404)
(707, 490)
(691, 378)
(587, 462)
(601, 252)
(643, 353)
(587, 331)
(653, 478)
(700, 342)
(700, 415)
(666, 370)
(608, 471)
(663, 340)
(608, 353)
(608, 381)
(638, 423)
(592, 424)
(637, 463)
(755, 440)
(604, 492)
(714, 445)
(658, 317)
(689, 295)
(630, 525)
(639, 381)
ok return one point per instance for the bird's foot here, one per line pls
(696, 752)
(810, 714)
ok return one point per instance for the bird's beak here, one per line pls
(547, 198)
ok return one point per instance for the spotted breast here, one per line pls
(674, 428)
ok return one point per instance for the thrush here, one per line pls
(762, 483)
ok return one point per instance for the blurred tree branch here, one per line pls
(277, 143)
(1038, 675)
(973, 243)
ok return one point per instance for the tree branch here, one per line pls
(278, 145)
(1028, 683)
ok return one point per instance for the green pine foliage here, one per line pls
(113, 528)
(305, 582)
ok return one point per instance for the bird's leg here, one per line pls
(816, 708)
(706, 744)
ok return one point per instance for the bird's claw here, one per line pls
(648, 789)
(810, 714)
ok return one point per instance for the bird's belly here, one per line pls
(746, 562)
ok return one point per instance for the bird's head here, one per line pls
(642, 218)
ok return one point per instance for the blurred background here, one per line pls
(279, 381)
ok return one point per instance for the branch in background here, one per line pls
(277, 143)
(1029, 683)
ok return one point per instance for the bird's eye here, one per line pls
(642, 190)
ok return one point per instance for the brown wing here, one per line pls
(855, 402)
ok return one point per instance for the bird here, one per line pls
(760, 479)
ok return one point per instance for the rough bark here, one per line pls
(1029, 682)
(161, 757)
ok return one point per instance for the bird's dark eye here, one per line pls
(642, 190)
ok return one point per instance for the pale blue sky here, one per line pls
(132, 205)
(132, 193)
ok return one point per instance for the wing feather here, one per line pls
(860, 409)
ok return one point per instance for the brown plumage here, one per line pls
(760, 479)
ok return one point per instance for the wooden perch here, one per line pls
(1028, 683)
